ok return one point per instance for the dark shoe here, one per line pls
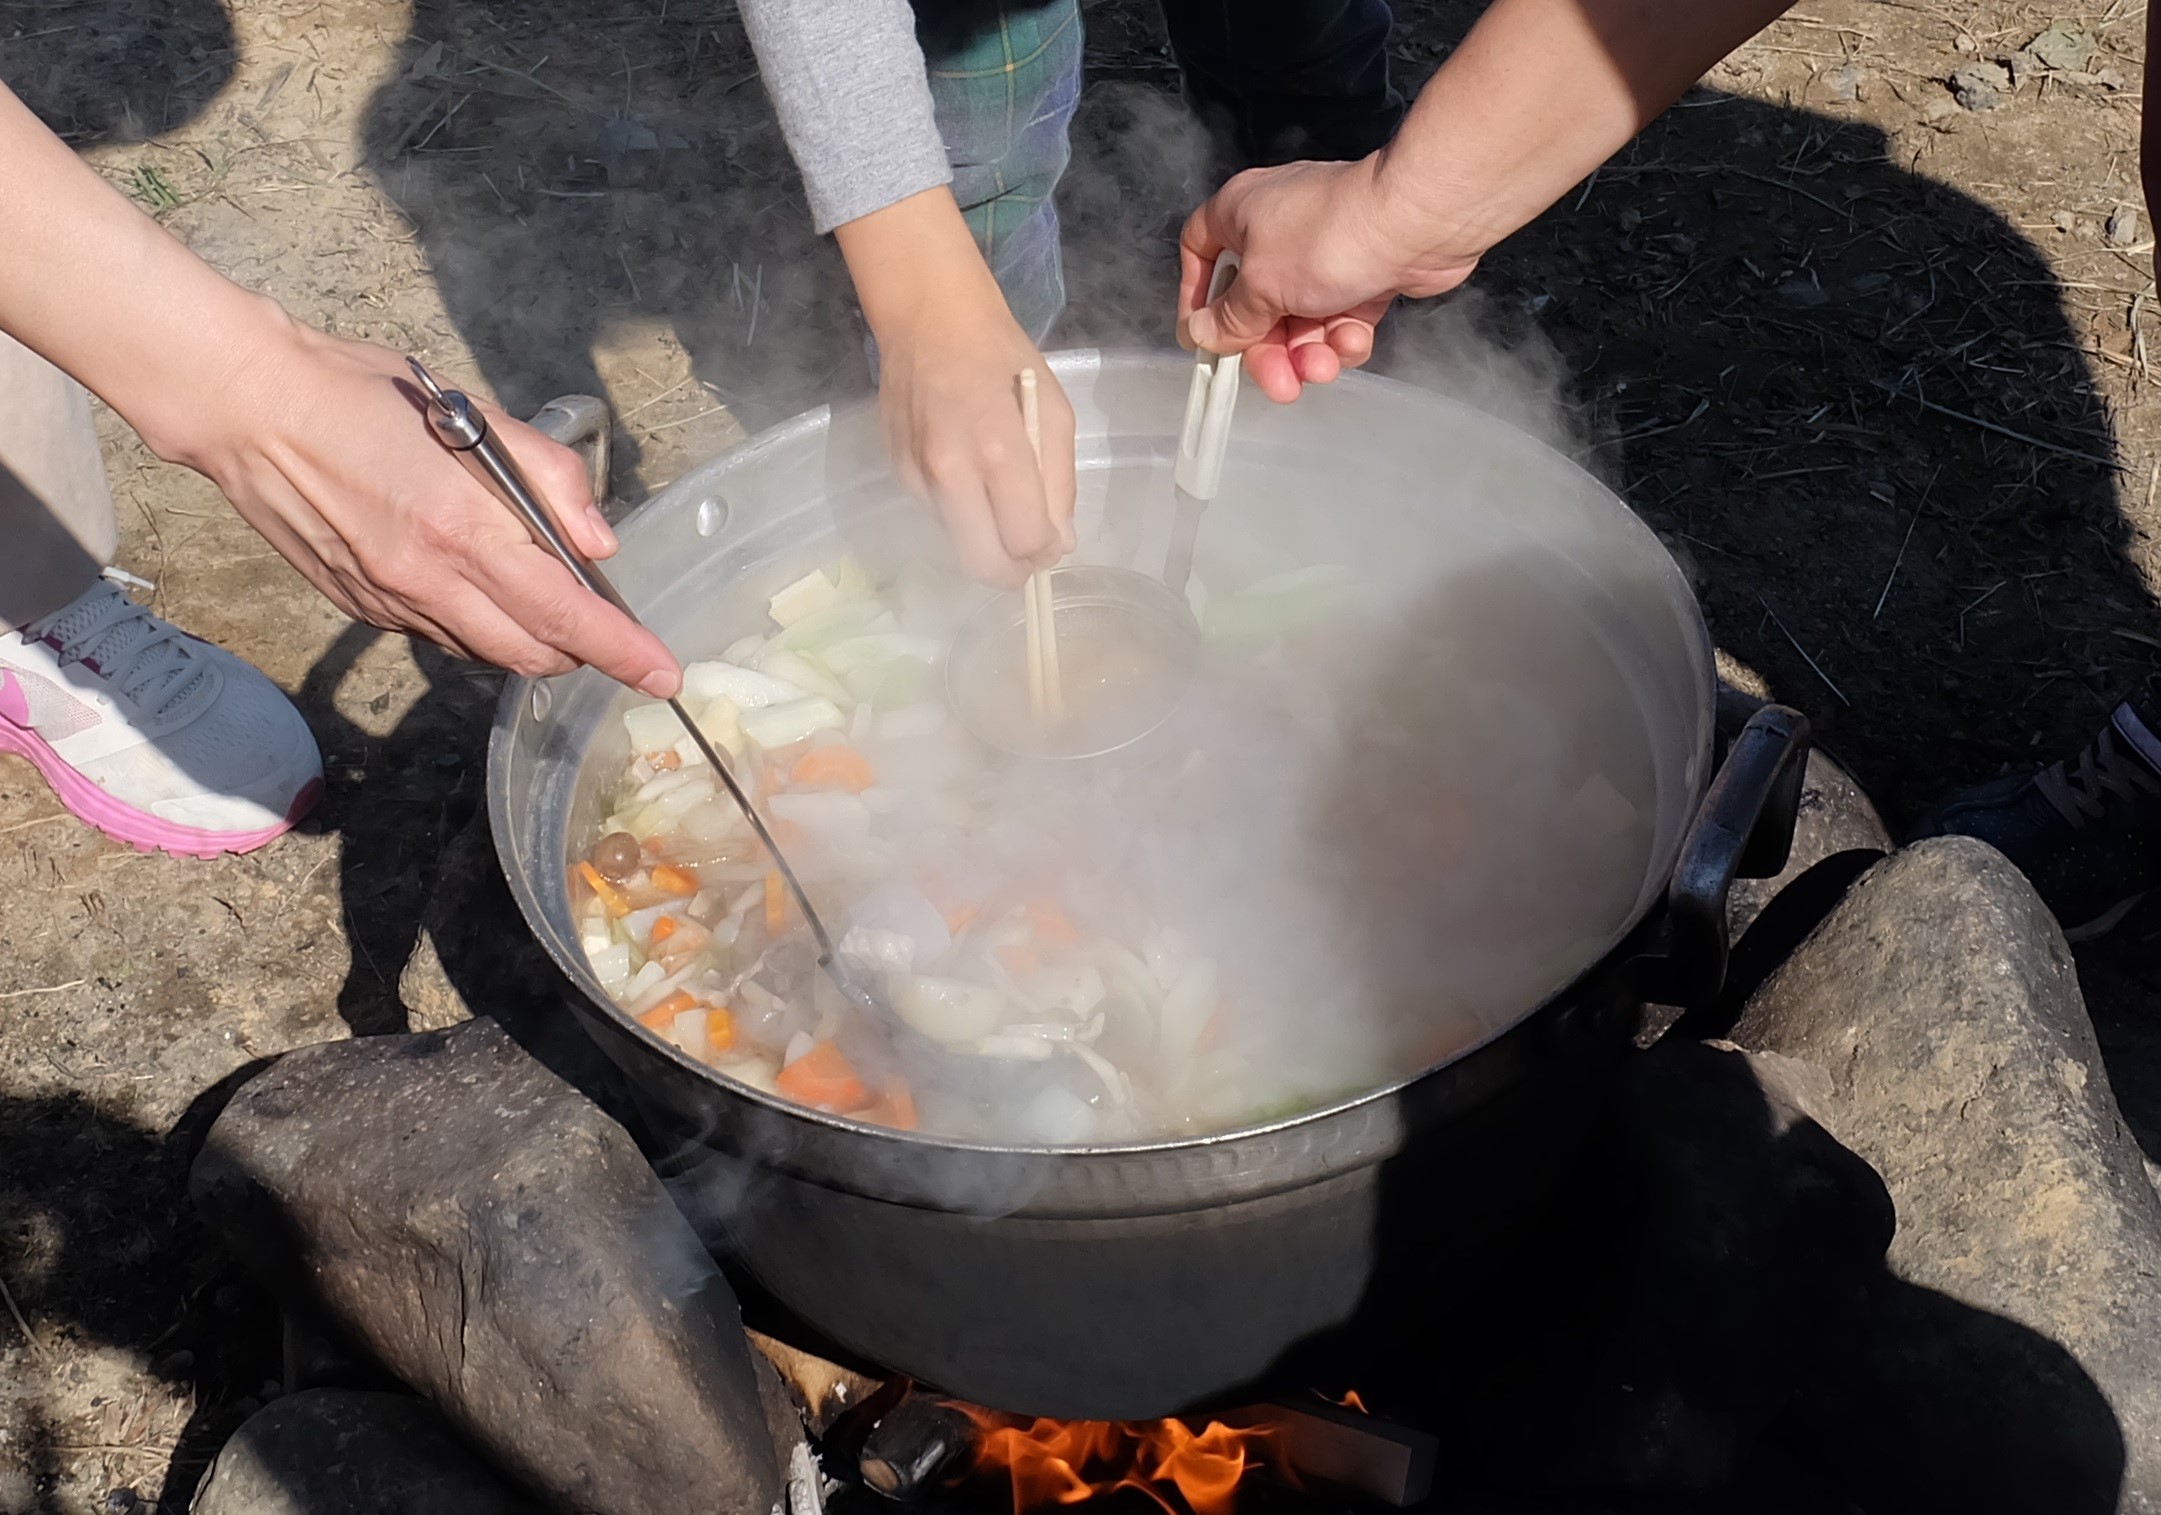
(2087, 834)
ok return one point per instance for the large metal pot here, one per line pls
(1135, 1281)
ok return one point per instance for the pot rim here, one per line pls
(517, 692)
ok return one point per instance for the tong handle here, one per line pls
(463, 429)
(510, 483)
(1210, 400)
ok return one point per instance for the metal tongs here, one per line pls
(1203, 440)
(462, 428)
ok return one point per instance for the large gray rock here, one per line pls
(500, 1245)
(337, 1452)
(2017, 1367)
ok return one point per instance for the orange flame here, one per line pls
(1069, 1461)
(1351, 1401)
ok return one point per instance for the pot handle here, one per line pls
(583, 424)
(1744, 830)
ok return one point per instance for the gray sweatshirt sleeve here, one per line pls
(848, 83)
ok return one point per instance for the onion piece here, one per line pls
(874, 651)
(1184, 1015)
(784, 725)
(639, 983)
(745, 688)
(643, 999)
(804, 672)
(662, 784)
(874, 947)
(950, 1010)
(1115, 1082)
(1012, 1049)
(838, 622)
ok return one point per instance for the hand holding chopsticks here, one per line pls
(1046, 691)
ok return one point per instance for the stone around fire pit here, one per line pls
(2015, 1368)
(501, 1246)
(334, 1452)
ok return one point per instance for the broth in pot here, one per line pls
(1358, 845)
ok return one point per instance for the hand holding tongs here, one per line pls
(1204, 438)
(462, 428)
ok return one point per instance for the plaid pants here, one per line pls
(1285, 78)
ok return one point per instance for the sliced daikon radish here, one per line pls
(692, 1032)
(745, 687)
(807, 595)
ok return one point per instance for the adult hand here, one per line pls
(324, 447)
(321, 444)
(1322, 256)
(950, 357)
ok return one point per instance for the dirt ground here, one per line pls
(1877, 364)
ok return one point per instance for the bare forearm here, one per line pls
(103, 292)
(1539, 94)
(914, 260)
(950, 355)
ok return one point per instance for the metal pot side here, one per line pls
(1115, 1281)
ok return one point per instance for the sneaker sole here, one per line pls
(139, 829)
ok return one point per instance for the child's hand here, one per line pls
(950, 396)
(951, 356)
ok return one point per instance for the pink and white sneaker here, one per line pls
(152, 736)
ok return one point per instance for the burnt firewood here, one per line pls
(913, 1446)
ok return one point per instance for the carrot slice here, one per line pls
(720, 1029)
(776, 904)
(822, 1077)
(607, 893)
(1019, 961)
(1051, 925)
(673, 879)
(958, 918)
(662, 930)
(665, 762)
(834, 766)
(662, 1016)
(895, 1106)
